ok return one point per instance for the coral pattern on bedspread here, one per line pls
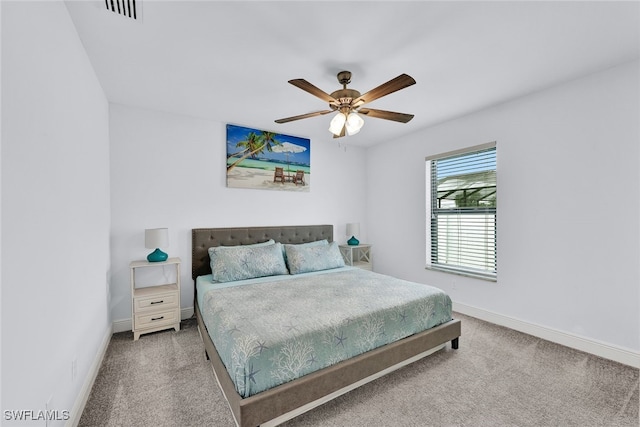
(270, 333)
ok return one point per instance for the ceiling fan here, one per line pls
(349, 102)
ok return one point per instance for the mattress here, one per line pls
(272, 330)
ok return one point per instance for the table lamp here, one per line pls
(353, 229)
(155, 238)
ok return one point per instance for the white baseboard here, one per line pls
(125, 325)
(121, 325)
(597, 348)
(83, 397)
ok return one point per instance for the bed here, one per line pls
(253, 403)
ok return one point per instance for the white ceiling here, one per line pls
(230, 61)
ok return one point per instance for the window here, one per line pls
(461, 212)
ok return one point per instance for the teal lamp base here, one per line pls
(157, 256)
(353, 241)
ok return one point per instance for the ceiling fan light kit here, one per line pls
(354, 123)
(349, 102)
(336, 124)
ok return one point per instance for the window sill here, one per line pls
(463, 273)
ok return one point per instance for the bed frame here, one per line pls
(274, 406)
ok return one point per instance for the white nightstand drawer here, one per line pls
(156, 302)
(155, 307)
(152, 320)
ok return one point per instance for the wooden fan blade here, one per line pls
(313, 90)
(393, 85)
(304, 116)
(387, 115)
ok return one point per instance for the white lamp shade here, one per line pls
(353, 229)
(335, 127)
(354, 124)
(156, 238)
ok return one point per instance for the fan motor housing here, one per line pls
(344, 97)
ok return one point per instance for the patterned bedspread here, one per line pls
(271, 333)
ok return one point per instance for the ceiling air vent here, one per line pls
(126, 8)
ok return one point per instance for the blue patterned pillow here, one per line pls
(246, 262)
(304, 259)
(303, 245)
(253, 245)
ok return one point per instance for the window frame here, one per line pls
(432, 219)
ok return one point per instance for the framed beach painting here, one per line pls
(266, 160)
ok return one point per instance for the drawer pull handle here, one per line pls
(157, 318)
(157, 302)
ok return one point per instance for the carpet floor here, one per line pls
(498, 377)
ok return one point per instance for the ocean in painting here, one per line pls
(269, 165)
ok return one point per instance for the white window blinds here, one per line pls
(461, 219)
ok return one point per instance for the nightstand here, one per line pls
(154, 308)
(357, 256)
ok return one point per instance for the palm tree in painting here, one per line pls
(249, 144)
(253, 145)
(237, 153)
(269, 139)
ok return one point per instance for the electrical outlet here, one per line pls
(453, 285)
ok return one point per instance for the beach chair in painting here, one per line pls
(278, 175)
(299, 178)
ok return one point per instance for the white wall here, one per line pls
(55, 210)
(568, 211)
(169, 171)
(1, 406)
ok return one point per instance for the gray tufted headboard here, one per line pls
(204, 238)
